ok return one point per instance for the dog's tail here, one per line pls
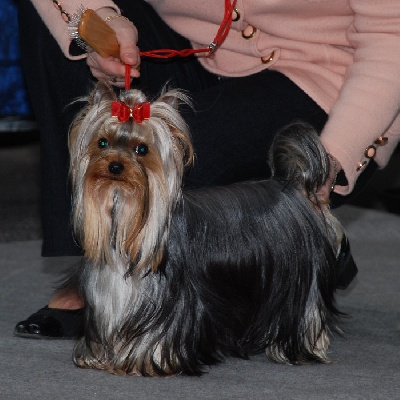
(297, 157)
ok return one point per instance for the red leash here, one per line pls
(169, 53)
(219, 38)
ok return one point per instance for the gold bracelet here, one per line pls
(68, 17)
(114, 16)
(65, 16)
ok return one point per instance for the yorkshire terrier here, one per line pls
(174, 280)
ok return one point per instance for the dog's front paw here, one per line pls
(84, 357)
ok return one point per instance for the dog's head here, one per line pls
(127, 161)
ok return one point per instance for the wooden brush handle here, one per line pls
(98, 35)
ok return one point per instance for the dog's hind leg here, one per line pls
(306, 343)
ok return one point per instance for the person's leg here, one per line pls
(52, 82)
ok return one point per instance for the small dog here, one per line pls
(175, 280)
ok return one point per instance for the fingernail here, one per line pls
(130, 58)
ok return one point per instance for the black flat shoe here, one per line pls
(52, 323)
(347, 268)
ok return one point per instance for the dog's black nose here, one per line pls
(116, 167)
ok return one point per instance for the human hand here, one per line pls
(112, 69)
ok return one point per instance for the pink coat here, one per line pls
(345, 54)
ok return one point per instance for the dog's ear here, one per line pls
(174, 98)
(184, 145)
(170, 99)
(102, 91)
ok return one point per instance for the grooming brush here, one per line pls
(89, 30)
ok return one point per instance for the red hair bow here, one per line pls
(139, 113)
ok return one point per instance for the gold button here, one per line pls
(268, 59)
(361, 166)
(370, 151)
(249, 32)
(235, 15)
(381, 140)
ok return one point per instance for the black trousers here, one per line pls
(233, 122)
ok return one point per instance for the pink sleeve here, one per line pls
(369, 101)
(57, 26)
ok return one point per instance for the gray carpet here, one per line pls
(366, 357)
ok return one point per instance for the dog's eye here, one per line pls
(141, 149)
(103, 143)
